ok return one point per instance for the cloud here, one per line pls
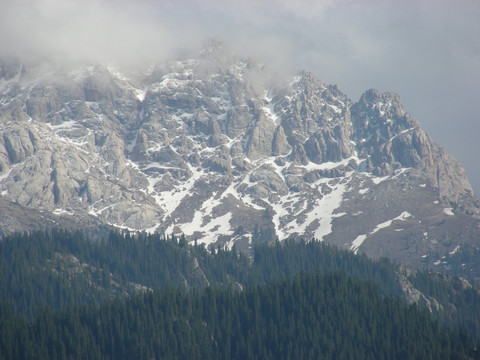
(428, 51)
(149, 30)
(83, 30)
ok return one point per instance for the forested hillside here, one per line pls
(310, 316)
(60, 268)
(53, 282)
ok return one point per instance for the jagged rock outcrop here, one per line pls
(393, 140)
(208, 145)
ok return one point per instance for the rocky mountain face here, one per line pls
(212, 148)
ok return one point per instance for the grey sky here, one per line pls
(428, 51)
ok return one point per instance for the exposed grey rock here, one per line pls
(279, 143)
(393, 140)
(17, 145)
(139, 151)
(323, 146)
(216, 137)
(206, 146)
(298, 155)
(414, 296)
(237, 120)
(267, 176)
(260, 138)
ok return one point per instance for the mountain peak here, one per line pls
(373, 96)
(205, 146)
(214, 45)
(217, 51)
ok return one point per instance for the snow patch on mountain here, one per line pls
(209, 147)
(454, 251)
(355, 245)
(448, 211)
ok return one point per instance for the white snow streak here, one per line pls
(448, 211)
(454, 251)
(361, 238)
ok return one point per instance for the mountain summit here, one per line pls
(212, 148)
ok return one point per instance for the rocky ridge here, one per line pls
(213, 148)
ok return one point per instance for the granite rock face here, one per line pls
(393, 140)
(212, 147)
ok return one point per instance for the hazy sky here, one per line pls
(428, 51)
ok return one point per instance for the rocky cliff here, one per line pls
(213, 148)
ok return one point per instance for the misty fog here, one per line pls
(427, 51)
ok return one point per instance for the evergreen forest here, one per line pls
(65, 296)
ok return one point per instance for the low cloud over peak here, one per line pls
(425, 50)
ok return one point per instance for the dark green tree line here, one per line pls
(60, 269)
(309, 316)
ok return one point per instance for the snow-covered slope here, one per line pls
(213, 148)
